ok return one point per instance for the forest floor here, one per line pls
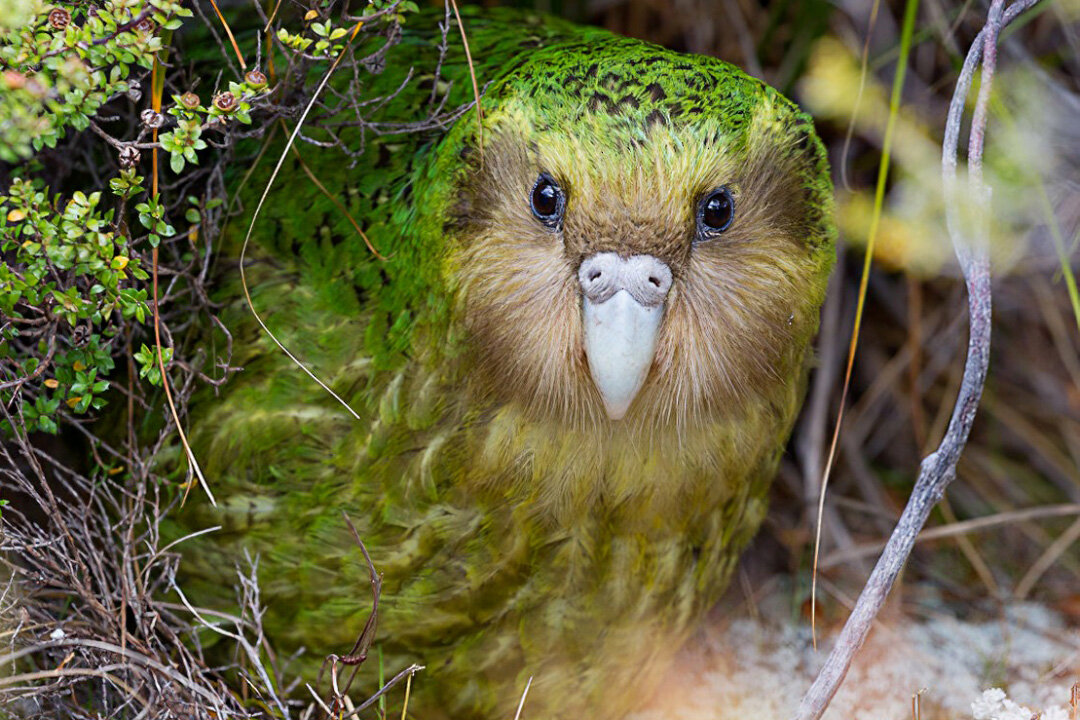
(1017, 662)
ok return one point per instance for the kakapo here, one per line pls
(575, 366)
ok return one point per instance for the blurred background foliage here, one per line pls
(82, 224)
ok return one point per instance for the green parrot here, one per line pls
(575, 367)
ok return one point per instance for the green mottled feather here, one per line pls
(519, 536)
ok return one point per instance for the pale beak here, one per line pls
(622, 307)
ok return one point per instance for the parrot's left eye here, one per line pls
(716, 213)
(548, 201)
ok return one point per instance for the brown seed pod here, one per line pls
(129, 156)
(256, 79)
(59, 18)
(151, 119)
(145, 25)
(225, 102)
(189, 100)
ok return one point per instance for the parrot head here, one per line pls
(634, 238)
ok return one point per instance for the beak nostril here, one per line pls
(646, 278)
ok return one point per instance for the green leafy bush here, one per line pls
(76, 262)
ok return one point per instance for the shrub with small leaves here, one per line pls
(148, 363)
(66, 274)
(182, 144)
(61, 64)
(107, 261)
(193, 118)
(74, 278)
(84, 111)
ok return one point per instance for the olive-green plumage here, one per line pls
(521, 531)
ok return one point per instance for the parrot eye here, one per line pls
(548, 201)
(716, 212)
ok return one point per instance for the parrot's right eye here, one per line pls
(716, 212)
(548, 201)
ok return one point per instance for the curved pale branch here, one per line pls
(939, 468)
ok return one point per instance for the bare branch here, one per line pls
(939, 468)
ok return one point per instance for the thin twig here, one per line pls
(407, 672)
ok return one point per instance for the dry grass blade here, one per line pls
(86, 627)
(1047, 559)
(408, 689)
(229, 32)
(1062, 251)
(910, 8)
(249, 649)
(192, 461)
(524, 694)
(472, 76)
(849, 133)
(131, 656)
(157, 90)
(255, 216)
(273, 15)
(842, 557)
(939, 468)
(333, 199)
(916, 704)
(102, 673)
